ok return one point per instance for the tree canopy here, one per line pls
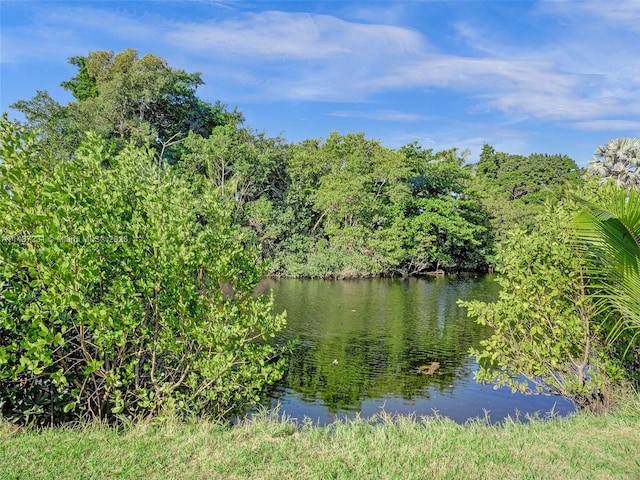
(619, 161)
(514, 187)
(123, 97)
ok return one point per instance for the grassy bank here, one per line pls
(579, 447)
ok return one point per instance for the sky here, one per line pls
(523, 76)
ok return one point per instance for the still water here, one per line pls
(396, 345)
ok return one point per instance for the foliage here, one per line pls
(123, 97)
(241, 165)
(121, 291)
(369, 210)
(345, 206)
(57, 130)
(618, 160)
(446, 225)
(514, 187)
(546, 324)
(610, 231)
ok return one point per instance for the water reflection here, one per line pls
(401, 345)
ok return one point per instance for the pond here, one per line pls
(398, 345)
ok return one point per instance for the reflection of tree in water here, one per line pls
(392, 330)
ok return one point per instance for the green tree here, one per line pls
(355, 208)
(122, 97)
(121, 291)
(514, 187)
(242, 165)
(338, 200)
(295, 220)
(84, 85)
(444, 223)
(547, 327)
(618, 160)
(357, 195)
(57, 131)
(248, 169)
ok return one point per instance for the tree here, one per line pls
(356, 193)
(121, 291)
(445, 225)
(350, 207)
(618, 160)
(248, 170)
(57, 131)
(122, 97)
(514, 187)
(240, 164)
(547, 326)
(84, 85)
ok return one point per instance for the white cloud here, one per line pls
(619, 14)
(65, 31)
(555, 107)
(271, 56)
(277, 35)
(324, 58)
(392, 13)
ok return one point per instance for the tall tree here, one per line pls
(618, 160)
(445, 224)
(513, 187)
(123, 97)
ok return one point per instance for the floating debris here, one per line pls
(428, 369)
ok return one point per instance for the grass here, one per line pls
(582, 446)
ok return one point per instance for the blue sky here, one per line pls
(523, 76)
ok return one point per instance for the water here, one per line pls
(400, 345)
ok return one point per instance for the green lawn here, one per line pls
(606, 447)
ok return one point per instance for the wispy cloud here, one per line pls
(275, 35)
(581, 71)
(330, 59)
(303, 56)
(69, 30)
(620, 14)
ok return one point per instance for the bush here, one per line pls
(121, 291)
(547, 327)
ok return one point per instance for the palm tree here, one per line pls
(610, 233)
(619, 160)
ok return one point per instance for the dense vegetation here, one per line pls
(138, 218)
(123, 292)
(345, 206)
(568, 316)
(513, 187)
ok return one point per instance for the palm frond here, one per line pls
(610, 233)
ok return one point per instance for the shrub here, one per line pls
(547, 328)
(121, 291)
